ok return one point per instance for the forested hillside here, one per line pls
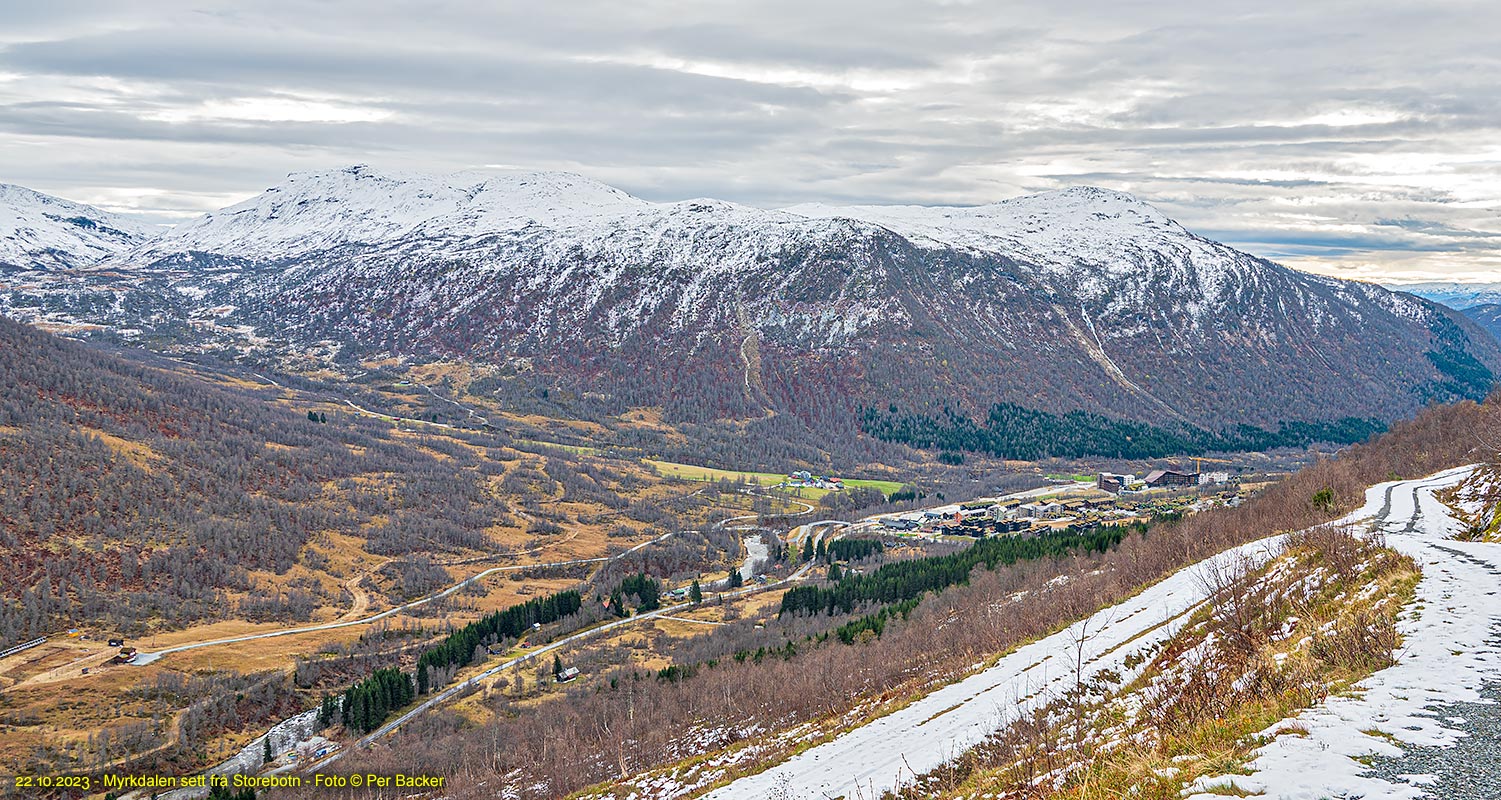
(730, 712)
(133, 495)
(1488, 316)
(1011, 431)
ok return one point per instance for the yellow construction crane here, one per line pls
(1199, 462)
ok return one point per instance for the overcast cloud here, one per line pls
(1358, 139)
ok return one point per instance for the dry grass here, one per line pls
(1279, 640)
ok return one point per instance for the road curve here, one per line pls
(883, 754)
(1422, 727)
(144, 658)
(472, 683)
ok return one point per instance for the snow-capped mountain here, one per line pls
(317, 211)
(38, 231)
(1455, 295)
(1100, 242)
(1080, 299)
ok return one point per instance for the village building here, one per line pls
(1170, 477)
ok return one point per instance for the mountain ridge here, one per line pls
(1082, 299)
(1457, 295)
(42, 232)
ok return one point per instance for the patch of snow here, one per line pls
(1445, 659)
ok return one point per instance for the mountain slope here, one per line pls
(1080, 300)
(141, 493)
(1487, 316)
(38, 231)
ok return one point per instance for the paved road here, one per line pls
(147, 658)
(883, 754)
(474, 682)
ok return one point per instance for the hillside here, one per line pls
(799, 713)
(928, 319)
(41, 232)
(139, 494)
(1487, 316)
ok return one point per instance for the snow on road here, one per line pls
(1448, 656)
(937, 728)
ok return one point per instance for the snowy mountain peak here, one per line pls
(1089, 201)
(1102, 242)
(313, 211)
(1080, 221)
(39, 231)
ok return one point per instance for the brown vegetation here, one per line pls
(607, 732)
(1277, 639)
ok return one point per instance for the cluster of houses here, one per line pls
(1008, 517)
(806, 479)
(1024, 517)
(1158, 479)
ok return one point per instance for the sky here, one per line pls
(1355, 139)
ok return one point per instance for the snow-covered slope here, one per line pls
(1079, 299)
(38, 231)
(1081, 224)
(316, 211)
(1449, 655)
(1104, 245)
(1399, 734)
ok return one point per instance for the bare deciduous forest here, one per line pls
(629, 721)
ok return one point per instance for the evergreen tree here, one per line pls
(834, 573)
(808, 549)
(557, 667)
(821, 551)
(736, 579)
(266, 752)
(903, 580)
(423, 682)
(696, 592)
(326, 712)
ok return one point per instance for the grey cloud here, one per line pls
(1340, 137)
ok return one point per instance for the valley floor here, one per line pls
(1446, 659)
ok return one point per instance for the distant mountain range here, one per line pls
(915, 318)
(1459, 296)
